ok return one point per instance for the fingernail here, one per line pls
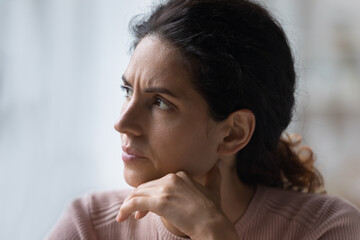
(118, 217)
(137, 215)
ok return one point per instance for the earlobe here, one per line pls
(240, 127)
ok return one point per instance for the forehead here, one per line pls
(155, 60)
(157, 64)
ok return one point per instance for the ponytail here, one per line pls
(287, 165)
(296, 162)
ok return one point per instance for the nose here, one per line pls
(129, 119)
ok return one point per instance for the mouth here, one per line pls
(129, 154)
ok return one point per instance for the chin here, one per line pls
(134, 179)
(133, 182)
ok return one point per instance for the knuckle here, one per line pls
(172, 177)
(131, 196)
(140, 186)
(181, 174)
(132, 203)
(133, 192)
(165, 189)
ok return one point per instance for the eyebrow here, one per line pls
(153, 89)
(125, 81)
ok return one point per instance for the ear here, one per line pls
(240, 126)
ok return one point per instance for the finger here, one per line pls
(184, 177)
(133, 205)
(140, 214)
(151, 183)
(157, 182)
(147, 190)
(192, 180)
(143, 192)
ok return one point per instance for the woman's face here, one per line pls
(164, 123)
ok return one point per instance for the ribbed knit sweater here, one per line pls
(272, 214)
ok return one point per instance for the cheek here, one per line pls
(187, 148)
(198, 159)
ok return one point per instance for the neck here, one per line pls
(235, 195)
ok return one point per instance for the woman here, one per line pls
(209, 92)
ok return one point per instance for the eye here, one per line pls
(162, 104)
(127, 90)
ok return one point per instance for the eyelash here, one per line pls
(126, 89)
(157, 98)
(157, 101)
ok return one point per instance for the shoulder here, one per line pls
(339, 219)
(318, 215)
(101, 207)
(102, 202)
(86, 217)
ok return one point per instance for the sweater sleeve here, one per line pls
(340, 220)
(75, 223)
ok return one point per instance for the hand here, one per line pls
(192, 208)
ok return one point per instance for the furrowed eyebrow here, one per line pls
(152, 89)
(160, 90)
(125, 81)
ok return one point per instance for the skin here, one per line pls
(175, 153)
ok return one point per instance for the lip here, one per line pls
(129, 154)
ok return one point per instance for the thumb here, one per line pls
(213, 179)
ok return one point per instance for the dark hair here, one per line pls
(239, 58)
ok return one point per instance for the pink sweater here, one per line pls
(272, 214)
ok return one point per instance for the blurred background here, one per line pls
(60, 70)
